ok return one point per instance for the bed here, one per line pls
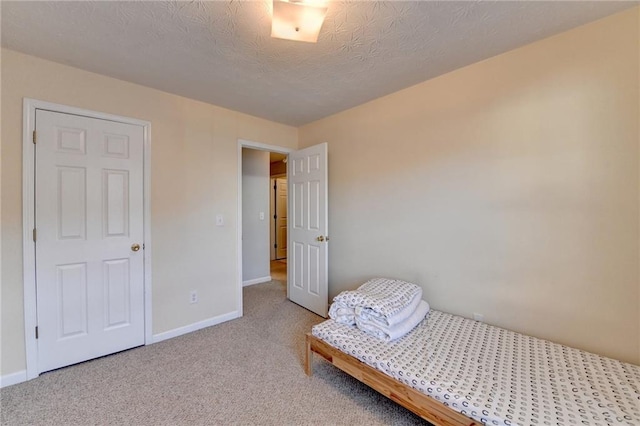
(451, 370)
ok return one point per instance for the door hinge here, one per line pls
(35, 137)
(275, 246)
(35, 235)
(275, 216)
(36, 331)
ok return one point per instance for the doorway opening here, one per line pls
(307, 216)
(263, 215)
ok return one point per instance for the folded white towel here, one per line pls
(383, 296)
(342, 313)
(392, 333)
(371, 315)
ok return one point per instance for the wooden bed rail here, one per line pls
(415, 401)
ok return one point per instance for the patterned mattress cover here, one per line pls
(496, 376)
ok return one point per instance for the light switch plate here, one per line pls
(219, 220)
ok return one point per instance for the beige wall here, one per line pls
(508, 188)
(194, 177)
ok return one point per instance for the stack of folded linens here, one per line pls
(385, 308)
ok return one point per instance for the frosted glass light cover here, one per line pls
(297, 20)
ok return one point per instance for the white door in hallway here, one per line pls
(307, 282)
(281, 218)
(89, 238)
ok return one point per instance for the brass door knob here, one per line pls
(320, 238)
(135, 247)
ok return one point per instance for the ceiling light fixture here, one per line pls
(298, 20)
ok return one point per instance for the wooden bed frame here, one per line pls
(415, 401)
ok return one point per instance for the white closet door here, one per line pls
(89, 222)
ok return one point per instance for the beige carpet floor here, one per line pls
(243, 372)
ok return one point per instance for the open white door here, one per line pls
(308, 248)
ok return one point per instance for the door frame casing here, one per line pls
(28, 219)
(272, 221)
(272, 231)
(243, 143)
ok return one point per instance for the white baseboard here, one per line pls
(194, 327)
(13, 378)
(256, 281)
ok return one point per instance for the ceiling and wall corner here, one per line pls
(221, 52)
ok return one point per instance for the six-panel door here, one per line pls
(89, 215)
(307, 264)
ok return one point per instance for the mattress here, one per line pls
(496, 376)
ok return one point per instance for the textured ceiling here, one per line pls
(221, 52)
